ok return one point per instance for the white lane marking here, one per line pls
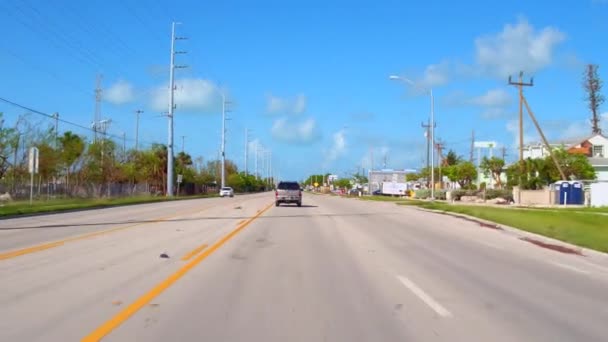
(428, 300)
(568, 267)
(487, 244)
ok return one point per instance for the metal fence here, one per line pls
(48, 191)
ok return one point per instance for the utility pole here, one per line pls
(246, 151)
(520, 84)
(472, 152)
(56, 117)
(427, 135)
(183, 143)
(256, 160)
(172, 68)
(371, 169)
(98, 98)
(137, 113)
(504, 153)
(224, 103)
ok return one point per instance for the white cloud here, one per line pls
(435, 75)
(119, 93)
(191, 94)
(279, 105)
(338, 147)
(517, 48)
(495, 103)
(492, 98)
(300, 132)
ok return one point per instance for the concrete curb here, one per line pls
(518, 233)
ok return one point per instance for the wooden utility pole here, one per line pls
(522, 100)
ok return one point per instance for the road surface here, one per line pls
(240, 269)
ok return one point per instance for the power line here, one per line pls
(56, 117)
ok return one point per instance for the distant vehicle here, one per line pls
(226, 191)
(288, 192)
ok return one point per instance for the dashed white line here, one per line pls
(428, 300)
(569, 267)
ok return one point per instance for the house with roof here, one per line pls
(596, 150)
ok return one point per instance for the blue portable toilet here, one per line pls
(564, 192)
(576, 193)
(556, 189)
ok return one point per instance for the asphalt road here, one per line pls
(335, 269)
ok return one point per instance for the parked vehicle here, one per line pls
(288, 192)
(226, 191)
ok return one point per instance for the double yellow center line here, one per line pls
(130, 310)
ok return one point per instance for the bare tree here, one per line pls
(593, 86)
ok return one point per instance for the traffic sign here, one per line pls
(33, 160)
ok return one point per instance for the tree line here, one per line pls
(80, 167)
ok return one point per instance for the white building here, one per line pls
(538, 150)
(596, 149)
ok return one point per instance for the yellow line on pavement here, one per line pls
(130, 310)
(53, 244)
(194, 252)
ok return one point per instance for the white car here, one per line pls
(226, 191)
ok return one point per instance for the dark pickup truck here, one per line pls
(288, 192)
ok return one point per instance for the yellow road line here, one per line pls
(53, 244)
(194, 252)
(130, 310)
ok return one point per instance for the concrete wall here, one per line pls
(532, 197)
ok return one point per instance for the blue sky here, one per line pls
(309, 78)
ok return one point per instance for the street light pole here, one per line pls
(432, 145)
(432, 124)
(223, 140)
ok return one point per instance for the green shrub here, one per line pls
(423, 193)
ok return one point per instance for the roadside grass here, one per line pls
(579, 209)
(585, 229)
(24, 208)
